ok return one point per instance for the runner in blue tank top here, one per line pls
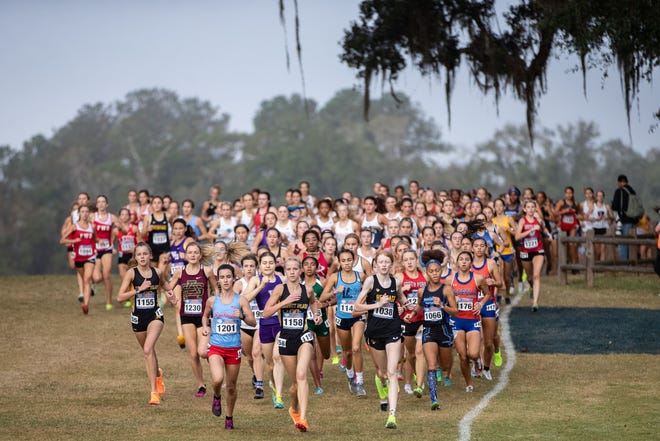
(345, 286)
(226, 311)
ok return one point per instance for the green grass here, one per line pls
(67, 376)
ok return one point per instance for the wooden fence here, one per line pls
(634, 265)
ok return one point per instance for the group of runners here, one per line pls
(414, 274)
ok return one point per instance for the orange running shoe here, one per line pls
(159, 382)
(302, 425)
(154, 399)
(294, 416)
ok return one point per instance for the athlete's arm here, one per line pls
(124, 293)
(329, 290)
(248, 315)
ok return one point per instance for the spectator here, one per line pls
(619, 206)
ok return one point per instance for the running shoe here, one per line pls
(383, 405)
(318, 391)
(535, 307)
(342, 365)
(181, 341)
(359, 390)
(486, 375)
(497, 358)
(520, 287)
(160, 387)
(512, 290)
(446, 382)
(408, 389)
(258, 393)
(391, 422)
(278, 403)
(507, 300)
(128, 304)
(469, 388)
(154, 399)
(229, 424)
(295, 416)
(335, 359)
(351, 385)
(438, 374)
(302, 425)
(85, 309)
(201, 392)
(108, 306)
(81, 298)
(435, 405)
(418, 391)
(216, 407)
(338, 349)
(382, 390)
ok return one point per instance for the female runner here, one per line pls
(285, 225)
(436, 302)
(141, 283)
(222, 228)
(155, 229)
(531, 251)
(361, 265)
(506, 227)
(489, 270)
(224, 352)
(194, 221)
(269, 221)
(323, 218)
(566, 212)
(321, 331)
(81, 236)
(260, 288)
(182, 235)
(209, 206)
(383, 333)
(366, 251)
(249, 335)
(467, 326)
(295, 341)
(192, 284)
(104, 223)
(126, 241)
(412, 282)
(297, 245)
(344, 225)
(344, 286)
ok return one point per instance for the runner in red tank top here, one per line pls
(81, 236)
(412, 283)
(531, 252)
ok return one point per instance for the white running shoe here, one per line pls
(469, 388)
(408, 389)
(486, 375)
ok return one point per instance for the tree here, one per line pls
(439, 35)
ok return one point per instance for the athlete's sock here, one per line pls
(432, 380)
(359, 378)
(228, 418)
(393, 412)
(350, 373)
(259, 383)
(486, 368)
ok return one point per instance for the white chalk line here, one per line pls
(465, 426)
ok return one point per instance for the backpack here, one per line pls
(635, 208)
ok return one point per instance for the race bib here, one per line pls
(226, 328)
(281, 343)
(433, 315)
(85, 250)
(465, 306)
(159, 238)
(310, 314)
(568, 219)
(307, 336)
(145, 300)
(293, 320)
(412, 298)
(530, 242)
(192, 306)
(491, 307)
(127, 244)
(134, 319)
(524, 255)
(384, 312)
(346, 307)
(103, 244)
(258, 314)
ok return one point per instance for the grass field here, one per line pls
(69, 376)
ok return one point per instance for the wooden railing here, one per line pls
(634, 265)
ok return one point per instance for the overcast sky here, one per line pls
(57, 56)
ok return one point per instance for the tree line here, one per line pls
(154, 139)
